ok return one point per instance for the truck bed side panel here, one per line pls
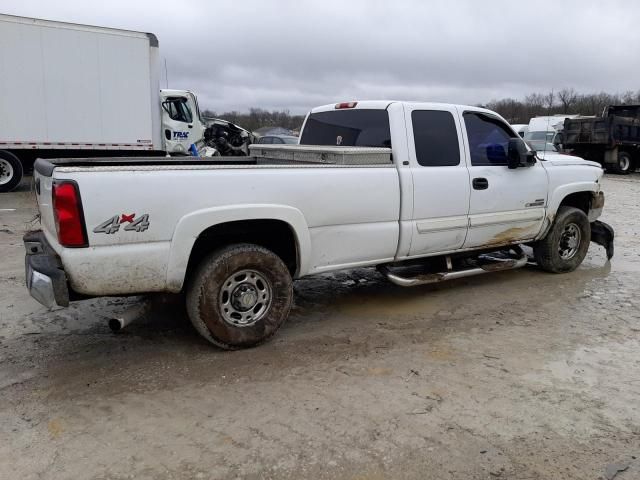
(351, 214)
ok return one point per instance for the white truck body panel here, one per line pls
(341, 216)
(77, 87)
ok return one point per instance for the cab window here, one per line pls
(436, 138)
(488, 139)
(178, 109)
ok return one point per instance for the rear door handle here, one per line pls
(480, 183)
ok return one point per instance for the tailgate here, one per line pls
(43, 188)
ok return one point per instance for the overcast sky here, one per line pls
(295, 54)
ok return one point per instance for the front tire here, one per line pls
(240, 296)
(624, 165)
(566, 243)
(10, 171)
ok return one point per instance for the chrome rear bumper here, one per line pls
(44, 275)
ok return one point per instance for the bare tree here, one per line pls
(567, 97)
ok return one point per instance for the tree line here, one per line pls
(258, 118)
(565, 101)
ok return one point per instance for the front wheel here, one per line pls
(240, 296)
(566, 243)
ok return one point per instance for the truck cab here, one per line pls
(182, 123)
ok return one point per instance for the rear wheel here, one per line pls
(10, 171)
(566, 243)
(240, 296)
(624, 164)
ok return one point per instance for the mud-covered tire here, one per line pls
(210, 283)
(553, 252)
(624, 165)
(10, 171)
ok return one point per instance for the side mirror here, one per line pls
(518, 155)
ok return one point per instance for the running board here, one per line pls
(495, 264)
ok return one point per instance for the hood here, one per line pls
(560, 159)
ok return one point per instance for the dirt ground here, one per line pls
(513, 375)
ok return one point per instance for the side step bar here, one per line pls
(494, 264)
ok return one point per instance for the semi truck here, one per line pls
(612, 139)
(72, 90)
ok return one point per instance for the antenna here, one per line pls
(166, 75)
(544, 152)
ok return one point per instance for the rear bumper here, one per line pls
(44, 274)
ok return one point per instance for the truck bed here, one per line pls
(609, 130)
(262, 155)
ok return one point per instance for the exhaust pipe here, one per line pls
(117, 323)
(496, 264)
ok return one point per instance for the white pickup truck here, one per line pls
(450, 190)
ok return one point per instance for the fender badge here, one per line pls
(113, 224)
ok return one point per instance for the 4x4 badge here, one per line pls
(133, 224)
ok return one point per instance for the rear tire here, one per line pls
(624, 165)
(10, 171)
(566, 243)
(239, 296)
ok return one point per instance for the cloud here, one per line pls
(297, 54)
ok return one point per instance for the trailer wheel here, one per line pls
(624, 164)
(239, 296)
(566, 243)
(10, 171)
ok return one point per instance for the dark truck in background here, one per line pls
(613, 139)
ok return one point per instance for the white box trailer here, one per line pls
(70, 90)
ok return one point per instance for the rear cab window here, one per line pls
(348, 128)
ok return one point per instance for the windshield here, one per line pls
(291, 140)
(348, 128)
(540, 135)
(542, 146)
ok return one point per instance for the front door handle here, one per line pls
(480, 183)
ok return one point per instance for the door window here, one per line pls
(178, 109)
(436, 138)
(488, 139)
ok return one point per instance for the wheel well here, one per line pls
(275, 235)
(581, 200)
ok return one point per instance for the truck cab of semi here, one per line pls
(182, 123)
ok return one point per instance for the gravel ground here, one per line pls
(513, 375)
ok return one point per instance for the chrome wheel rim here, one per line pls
(245, 298)
(6, 171)
(569, 241)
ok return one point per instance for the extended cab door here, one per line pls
(440, 179)
(506, 205)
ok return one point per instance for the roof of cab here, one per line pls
(383, 104)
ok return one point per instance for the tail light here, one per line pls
(346, 105)
(67, 211)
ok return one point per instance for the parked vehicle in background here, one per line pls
(82, 91)
(546, 128)
(520, 128)
(612, 139)
(278, 140)
(450, 189)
